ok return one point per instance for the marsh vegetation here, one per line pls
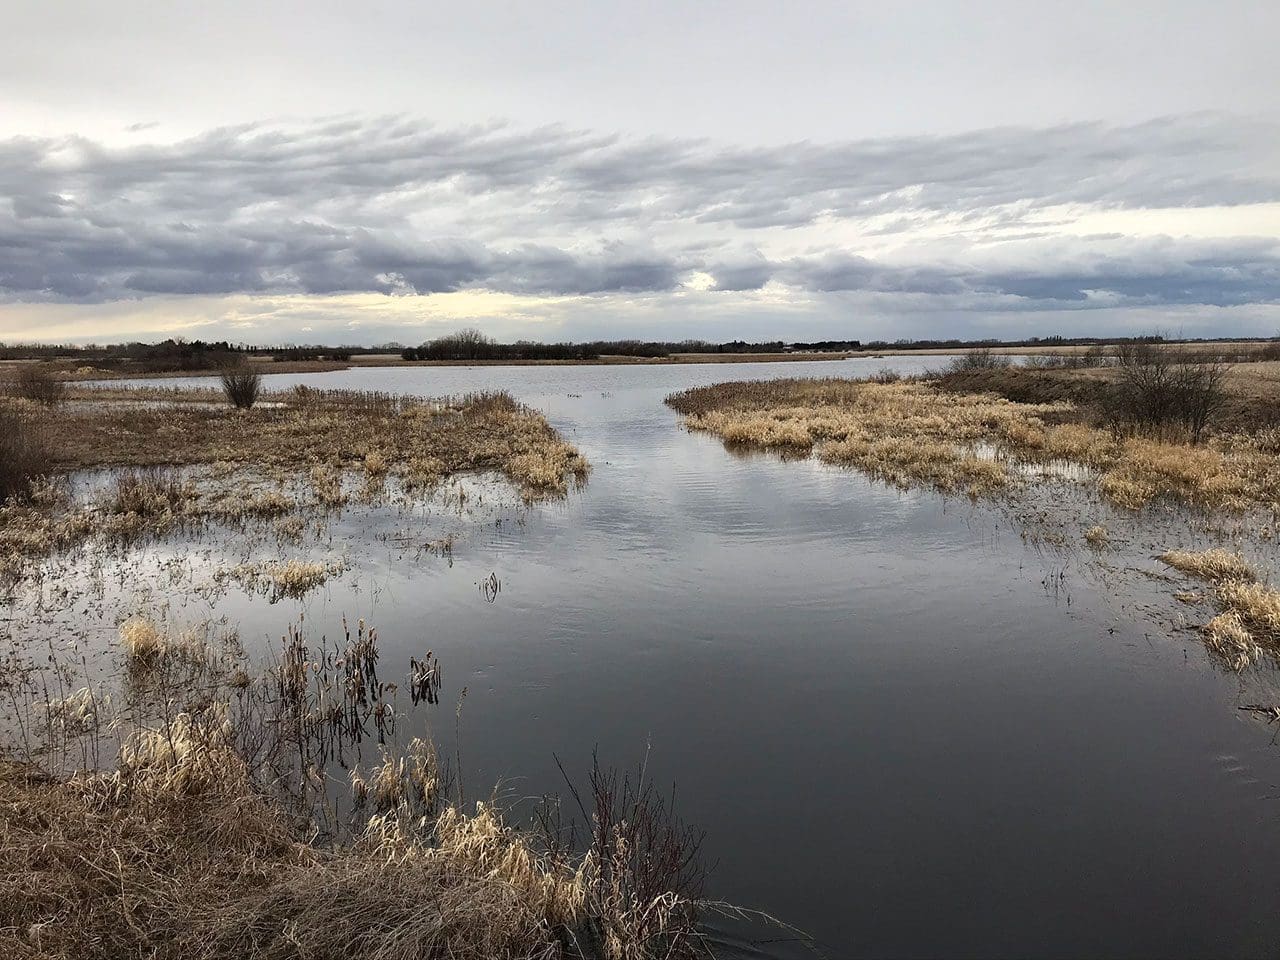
(181, 459)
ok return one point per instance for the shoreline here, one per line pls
(266, 365)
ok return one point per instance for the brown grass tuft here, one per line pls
(1214, 565)
(1097, 536)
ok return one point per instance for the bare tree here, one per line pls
(1161, 387)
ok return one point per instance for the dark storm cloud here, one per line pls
(398, 206)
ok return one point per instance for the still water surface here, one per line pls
(898, 737)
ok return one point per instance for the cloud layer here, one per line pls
(987, 220)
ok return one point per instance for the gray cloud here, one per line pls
(397, 206)
(1222, 274)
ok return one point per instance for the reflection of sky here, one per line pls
(897, 737)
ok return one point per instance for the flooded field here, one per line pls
(910, 724)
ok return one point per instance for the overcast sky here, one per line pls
(302, 172)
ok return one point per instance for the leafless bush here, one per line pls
(980, 359)
(34, 381)
(1161, 388)
(885, 375)
(24, 458)
(1047, 361)
(241, 386)
(1095, 356)
(644, 869)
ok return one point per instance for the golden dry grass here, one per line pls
(177, 853)
(278, 579)
(1214, 565)
(293, 432)
(900, 432)
(1097, 536)
(143, 641)
(1248, 625)
(1258, 608)
(910, 433)
(210, 832)
(1227, 636)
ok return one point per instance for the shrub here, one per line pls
(34, 381)
(885, 375)
(23, 457)
(1161, 388)
(242, 387)
(980, 359)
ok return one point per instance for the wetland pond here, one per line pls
(908, 729)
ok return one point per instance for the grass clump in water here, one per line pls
(1097, 536)
(282, 579)
(1248, 625)
(1214, 565)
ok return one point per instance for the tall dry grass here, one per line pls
(24, 456)
(1215, 564)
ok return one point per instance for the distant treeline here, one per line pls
(474, 345)
(140, 357)
(172, 355)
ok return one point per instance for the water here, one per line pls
(906, 731)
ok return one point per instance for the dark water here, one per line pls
(899, 737)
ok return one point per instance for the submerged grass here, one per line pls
(278, 579)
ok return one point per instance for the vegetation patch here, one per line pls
(918, 433)
(285, 578)
(1248, 625)
(183, 459)
(1214, 565)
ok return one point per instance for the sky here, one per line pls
(391, 171)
